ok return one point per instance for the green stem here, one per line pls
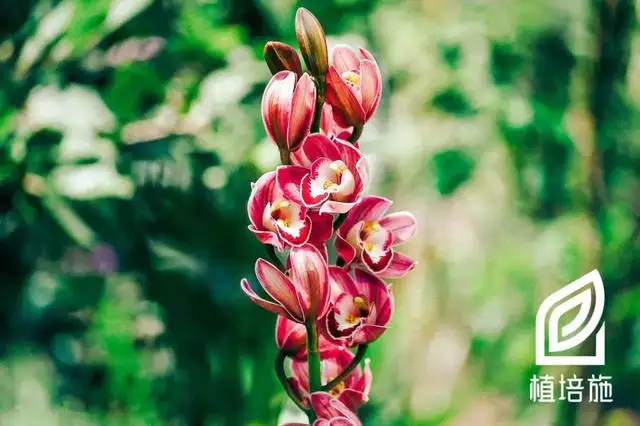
(313, 360)
(285, 157)
(357, 132)
(317, 116)
(362, 350)
(284, 381)
(341, 218)
(273, 257)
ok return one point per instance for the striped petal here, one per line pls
(261, 195)
(280, 288)
(311, 277)
(370, 87)
(289, 179)
(346, 106)
(344, 58)
(402, 226)
(276, 106)
(269, 306)
(303, 107)
(400, 266)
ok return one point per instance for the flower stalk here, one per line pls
(313, 361)
(318, 195)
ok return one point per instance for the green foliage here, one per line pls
(451, 168)
(453, 101)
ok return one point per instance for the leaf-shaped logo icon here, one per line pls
(587, 294)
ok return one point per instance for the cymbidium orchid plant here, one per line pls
(327, 313)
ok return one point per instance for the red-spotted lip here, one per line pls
(295, 236)
(377, 265)
(312, 196)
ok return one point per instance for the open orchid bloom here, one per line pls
(367, 236)
(330, 175)
(353, 391)
(288, 106)
(302, 294)
(292, 337)
(360, 308)
(354, 86)
(282, 223)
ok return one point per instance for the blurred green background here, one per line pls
(130, 131)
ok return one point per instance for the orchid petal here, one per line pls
(339, 207)
(380, 262)
(402, 226)
(345, 103)
(290, 335)
(399, 267)
(296, 233)
(317, 146)
(352, 399)
(341, 282)
(369, 208)
(270, 306)
(322, 227)
(378, 294)
(362, 166)
(348, 153)
(280, 288)
(345, 250)
(267, 237)
(261, 194)
(367, 333)
(344, 58)
(303, 107)
(366, 55)
(276, 106)
(325, 406)
(289, 179)
(309, 272)
(370, 87)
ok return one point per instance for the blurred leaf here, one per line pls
(203, 34)
(451, 55)
(626, 305)
(454, 102)
(452, 168)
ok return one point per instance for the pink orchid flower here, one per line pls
(302, 294)
(354, 86)
(330, 412)
(288, 106)
(367, 236)
(292, 337)
(360, 308)
(352, 392)
(329, 174)
(282, 223)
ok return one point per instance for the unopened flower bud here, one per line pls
(282, 57)
(312, 42)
